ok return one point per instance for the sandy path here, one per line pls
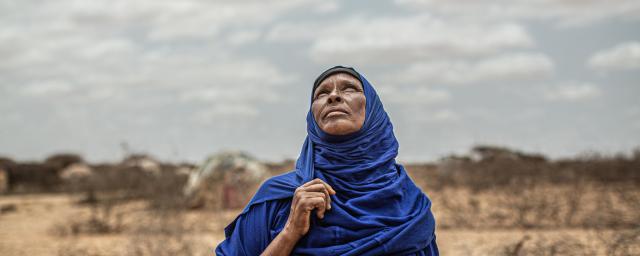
(26, 231)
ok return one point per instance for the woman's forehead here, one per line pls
(340, 77)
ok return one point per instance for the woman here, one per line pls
(347, 195)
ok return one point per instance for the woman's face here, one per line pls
(339, 104)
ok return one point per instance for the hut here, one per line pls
(4, 181)
(225, 181)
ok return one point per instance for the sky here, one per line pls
(181, 80)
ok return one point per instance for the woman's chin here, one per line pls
(340, 127)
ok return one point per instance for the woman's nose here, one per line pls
(334, 96)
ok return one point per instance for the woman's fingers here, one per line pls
(308, 197)
(319, 181)
(322, 189)
(319, 185)
(303, 192)
(315, 194)
(311, 195)
(317, 203)
(321, 209)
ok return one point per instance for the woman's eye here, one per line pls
(350, 89)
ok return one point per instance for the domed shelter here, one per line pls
(225, 181)
(4, 181)
(76, 171)
(144, 163)
(77, 176)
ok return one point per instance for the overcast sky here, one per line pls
(184, 79)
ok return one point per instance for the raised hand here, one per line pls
(315, 194)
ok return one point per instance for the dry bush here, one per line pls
(544, 246)
(33, 178)
(119, 183)
(150, 231)
(621, 242)
(530, 206)
(459, 209)
(488, 168)
(37, 177)
(76, 250)
(544, 206)
(108, 188)
(102, 220)
(495, 187)
(629, 196)
(164, 232)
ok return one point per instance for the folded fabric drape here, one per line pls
(377, 209)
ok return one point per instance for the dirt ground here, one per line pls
(32, 227)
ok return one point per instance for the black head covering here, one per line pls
(333, 70)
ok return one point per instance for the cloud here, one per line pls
(118, 50)
(237, 88)
(400, 39)
(99, 50)
(217, 112)
(205, 19)
(47, 88)
(328, 6)
(84, 75)
(413, 95)
(145, 21)
(414, 38)
(243, 37)
(292, 32)
(624, 56)
(440, 116)
(505, 67)
(572, 92)
(563, 13)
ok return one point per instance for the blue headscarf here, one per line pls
(379, 210)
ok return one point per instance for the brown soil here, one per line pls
(30, 229)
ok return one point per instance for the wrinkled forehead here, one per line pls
(339, 78)
(333, 71)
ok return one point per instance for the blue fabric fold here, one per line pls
(377, 210)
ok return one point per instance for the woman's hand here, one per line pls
(312, 195)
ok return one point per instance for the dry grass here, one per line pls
(496, 202)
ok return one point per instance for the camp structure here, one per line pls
(225, 181)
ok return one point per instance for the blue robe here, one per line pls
(377, 208)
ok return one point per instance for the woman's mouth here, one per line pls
(335, 113)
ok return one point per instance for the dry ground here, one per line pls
(33, 228)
